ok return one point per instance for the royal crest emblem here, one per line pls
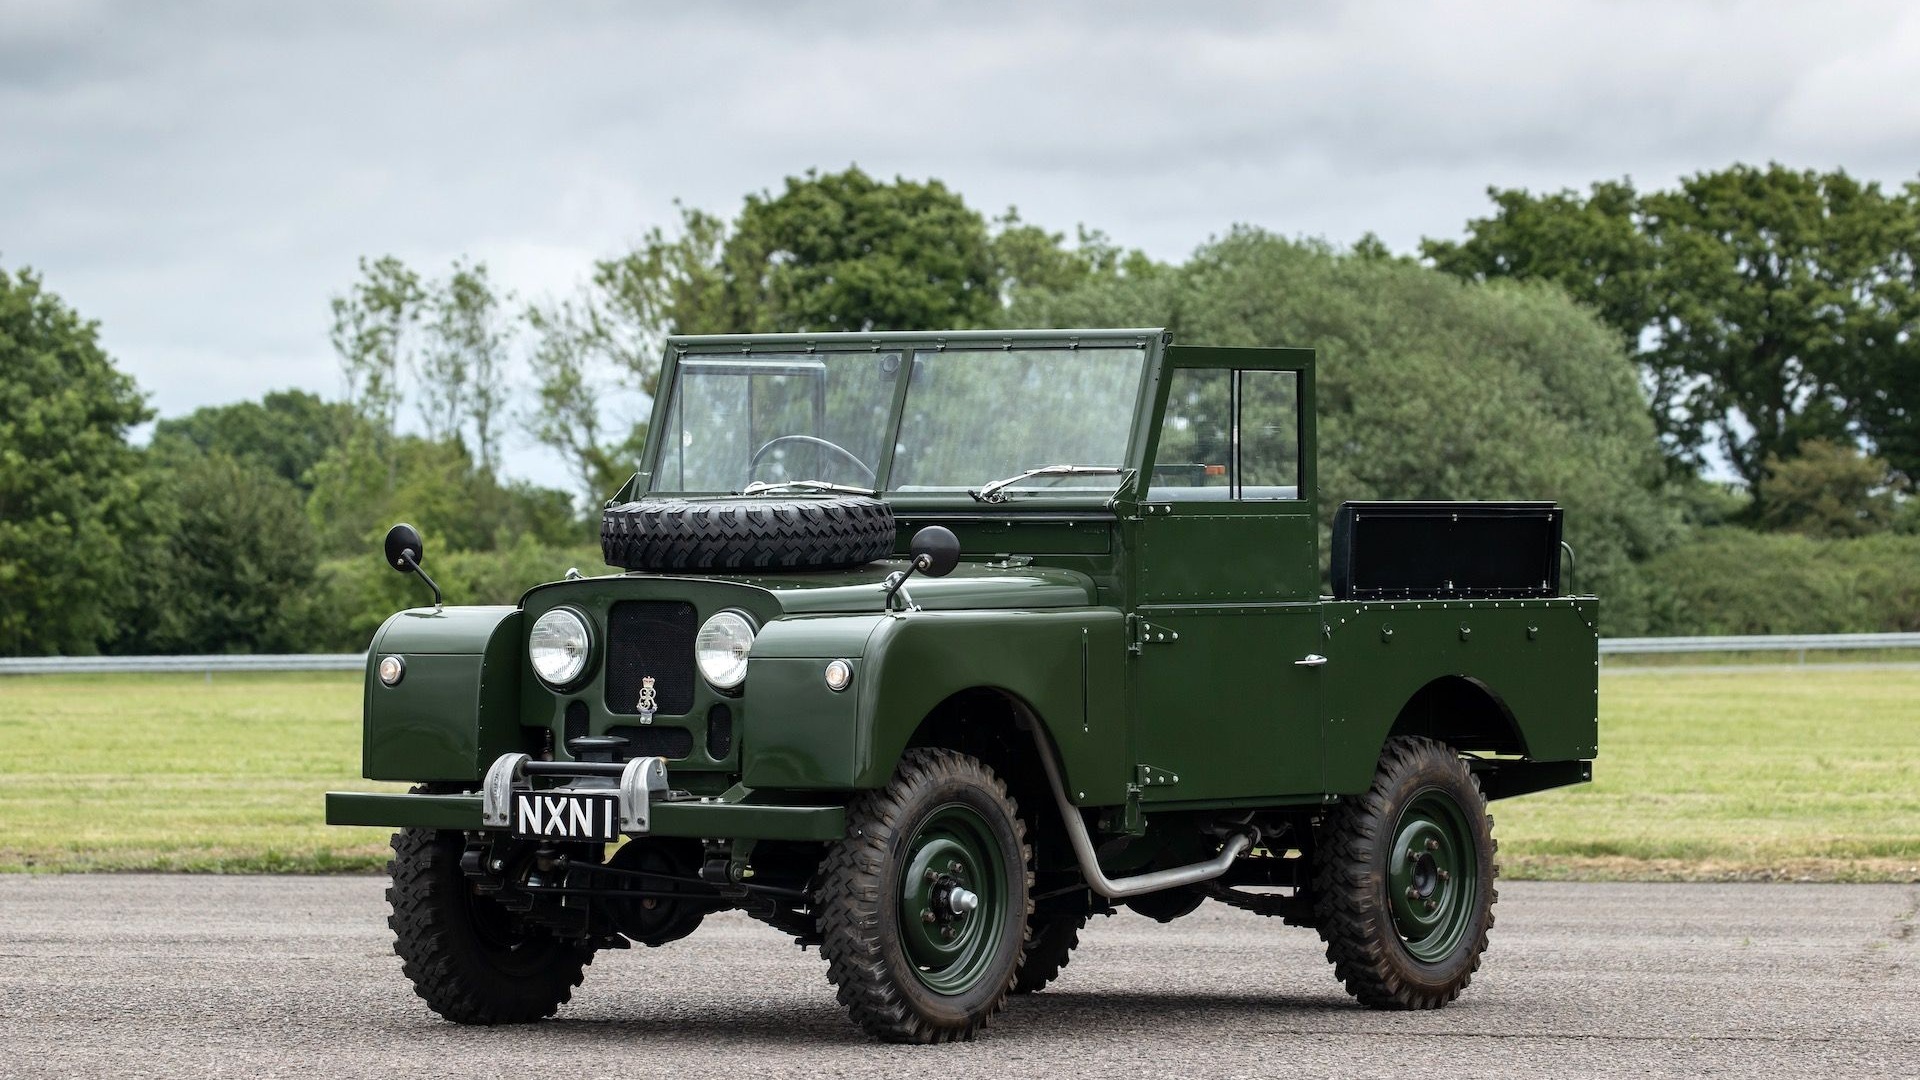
(649, 702)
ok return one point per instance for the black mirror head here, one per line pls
(936, 551)
(405, 548)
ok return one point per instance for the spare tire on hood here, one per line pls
(747, 533)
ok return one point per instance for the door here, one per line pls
(1227, 628)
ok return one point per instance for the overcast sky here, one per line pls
(201, 177)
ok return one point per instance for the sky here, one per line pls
(201, 177)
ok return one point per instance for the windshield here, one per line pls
(968, 417)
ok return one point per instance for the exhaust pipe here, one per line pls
(1121, 888)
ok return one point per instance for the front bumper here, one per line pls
(647, 808)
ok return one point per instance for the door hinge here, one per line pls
(1148, 776)
(1145, 633)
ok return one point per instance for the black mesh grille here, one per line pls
(651, 638)
(719, 731)
(576, 720)
(666, 742)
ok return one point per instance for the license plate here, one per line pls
(566, 815)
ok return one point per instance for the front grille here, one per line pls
(719, 731)
(666, 742)
(651, 638)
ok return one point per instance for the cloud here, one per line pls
(201, 177)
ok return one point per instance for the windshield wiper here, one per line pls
(759, 486)
(993, 493)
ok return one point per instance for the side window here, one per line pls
(1206, 456)
(1269, 435)
(1196, 438)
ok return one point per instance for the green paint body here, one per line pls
(1155, 642)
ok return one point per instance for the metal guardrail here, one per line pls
(58, 665)
(1801, 643)
(194, 665)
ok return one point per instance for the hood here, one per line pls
(971, 585)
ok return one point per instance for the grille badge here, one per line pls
(649, 702)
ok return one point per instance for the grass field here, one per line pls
(1789, 774)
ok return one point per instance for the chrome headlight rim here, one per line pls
(583, 664)
(730, 677)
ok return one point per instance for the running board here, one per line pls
(1121, 888)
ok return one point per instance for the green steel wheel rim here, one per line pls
(1433, 876)
(953, 854)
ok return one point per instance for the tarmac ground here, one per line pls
(150, 975)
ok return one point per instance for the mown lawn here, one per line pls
(1788, 774)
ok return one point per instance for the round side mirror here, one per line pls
(936, 551)
(405, 548)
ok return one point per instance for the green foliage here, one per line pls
(358, 593)
(359, 491)
(1768, 306)
(70, 486)
(1429, 388)
(231, 570)
(1736, 581)
(834, 251)
(1828, 490)
(287, 432)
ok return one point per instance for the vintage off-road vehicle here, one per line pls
(930, 646)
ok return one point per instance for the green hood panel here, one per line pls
(460, 630)
(970, 586)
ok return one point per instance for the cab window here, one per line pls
(1229, 434)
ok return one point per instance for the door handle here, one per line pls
(1310, 660)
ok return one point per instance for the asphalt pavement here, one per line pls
(135, 975)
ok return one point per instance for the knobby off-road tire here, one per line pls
(468, 957)
(1050, 945)
(1404, 880)
(906, 966)
(747, 533)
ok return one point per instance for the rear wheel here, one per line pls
(471, 959)
(923, 907)
(1403, 880)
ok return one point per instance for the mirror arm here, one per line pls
(896, 583)
(413, 564)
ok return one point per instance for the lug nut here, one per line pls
(954, 867)
(1413, 893)
(1432, 904)
(926, 916)
(1444, 876)
(1433, 845)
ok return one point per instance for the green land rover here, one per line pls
(924, 648)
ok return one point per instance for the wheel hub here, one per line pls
(948, 916)
(1432, 876)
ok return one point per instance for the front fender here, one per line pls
(1066, 666)
(455, 709)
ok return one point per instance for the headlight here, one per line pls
(558, 647)
(722, 647)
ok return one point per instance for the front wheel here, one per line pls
(923, 907)
(1403, 880)
(473, 961)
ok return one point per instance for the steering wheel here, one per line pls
(754, 461)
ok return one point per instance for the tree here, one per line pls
(373, 327)
(1767, 306)
(1829, 489)
(70, 485)
(1429, 388)
(234, 566)
(830, 252)
(463, 364)
(286, 432)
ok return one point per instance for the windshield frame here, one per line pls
(1152, 341)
